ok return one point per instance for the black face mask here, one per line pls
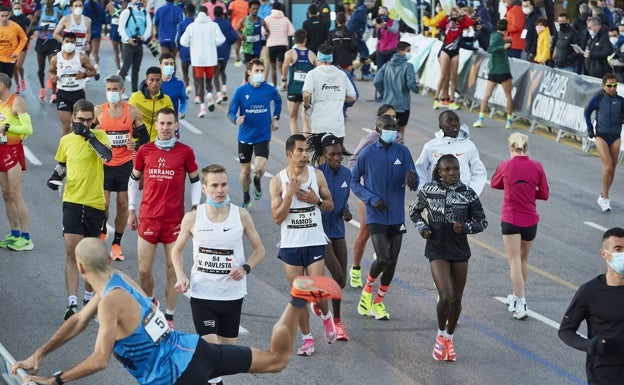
(563, 26)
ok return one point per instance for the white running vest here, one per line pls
(66, 71)
(217, 248)
(80, 30)
(303, 225)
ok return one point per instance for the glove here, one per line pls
(56, 179)
(590, 133)
(82, 130)
(381, 205)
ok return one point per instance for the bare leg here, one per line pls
(71, 269)
(170, 293)
(146, 252)
(512, 247)
(360, 242)
(608, 156)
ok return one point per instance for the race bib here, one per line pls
(253, 38)
(214, 261)
(299, 76)
(301, 218)
(68, 80)
(156, 326)
(115, 21)
(47, 26)
(118, 139)
(80, 42)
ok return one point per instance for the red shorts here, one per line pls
(10, 155)
(201, 72)
(156, 231)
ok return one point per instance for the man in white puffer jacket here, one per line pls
(203, 36)
(453, 139)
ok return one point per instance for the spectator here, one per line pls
(279, 29)
(431, 23)
(597, 49)
(483, 24)
(387, 34)
(617, 61)
(166, 20)
(532, 13)
(316, 30)
(543, 52)
(606, 11)
(135, 28)
(357, 25)
(515, 25)
(324, 10)
(565, 56)
(598, 11)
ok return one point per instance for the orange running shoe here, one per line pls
(450, 350)
(314, 289)
(341, 333)
(439, 349)
(103, 237)
(116, 254)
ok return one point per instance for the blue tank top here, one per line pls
(47, 24)
(153, 354)
(298, 71)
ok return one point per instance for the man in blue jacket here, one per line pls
(357, 24)
(223, 54)
(395, 80)
(378, 179)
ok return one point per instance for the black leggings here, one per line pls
(450, 279)
(132, 56)
(336, 263)
(387, 246)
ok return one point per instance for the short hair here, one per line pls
(71, 2)
(4, 9)
(313, 9)
(593, 3)
(444, 113)
(385, 108)
(277, 6)
(66, 35)
(203, 9)
(300, 36)
(616, 232)
(326, 49)
(83, 105)
(403, 45)
(608, 76)
(218, 11)
(541, 21)
(501, 25)
(518, 142)
(212, 169)
(92, 253)
(530, 1)
(563, 14)
(115, 79)
(165, 55)
(5, 80)
(153, 70)
(167, 111)
(595, 20)
(189, 8)
(435, 174)
(383, 121)
(254, 62)
(294, 138)
(254, 2)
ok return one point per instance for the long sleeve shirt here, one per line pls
(254, 103)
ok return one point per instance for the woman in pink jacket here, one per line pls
(524, 181)
(279, 30)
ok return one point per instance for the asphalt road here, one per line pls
(492, 348)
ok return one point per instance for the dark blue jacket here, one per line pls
(176, 90)
(223, 51)
(338, 184)
(166, 20)
(609, 114)
(358, 21)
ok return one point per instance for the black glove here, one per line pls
(381, 205)
(590, 134)
(55, 181)
(82, 130)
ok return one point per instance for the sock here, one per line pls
(307, 336)
(88, 295)
(441, 332)
(169, 313)
(356, 267)
(202, 106)
(16, 233)
(381, 293)
(509, 117)
(117, 239)
(215, 381)
(256, 180)
(246, 196)
(449, 336)
(481, 115)
(521, 303)
(104, 230)
(72, 300)
(370, 281)
(26, 236)
(298, 302)
(326, 316)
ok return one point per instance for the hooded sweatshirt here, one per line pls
(394, 81)
(471, 170)
(280, 28)
(203, 36)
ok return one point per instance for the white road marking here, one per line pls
(190, 127)
(595, 226)
(367, 130)
(354, 223)
(242, 330)
(266, 173)
(31, 157)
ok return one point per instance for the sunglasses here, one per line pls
(611, 85)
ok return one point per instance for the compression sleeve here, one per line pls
(24, 127)
(195, 191)
(133, 191)
(103, 151)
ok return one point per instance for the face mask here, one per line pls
(540, 28)
(168, 71)
(216, 204)
(113, 97)
(526, 10)
(621, 33)
(613, 40)
(563, 26)
(165, 144)
(408, 56)
(17, 12)
(592, 34)
(77, 11)
(257, 78)
(64, 3)
(388, 136)
(69, 47)
(476, 4)
(617, 262)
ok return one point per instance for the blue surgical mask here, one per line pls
(168, 71)
(408, 56)
(17, 12)
(113, 97)
(257, 78)
(216, 204)
(592, 34)
(617, 262)
(388, 136)
(165, 144)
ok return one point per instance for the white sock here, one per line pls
(449, 336)
(169, 312)
(72, 300)
(521, 303)
(88, 295)
(202, 106)
(307, 336)
(441, 332)
(326, 316)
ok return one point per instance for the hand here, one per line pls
(237, 273)
(41, 380)
(586, 54)
(381, 205)
(80, 75)
(411, 180)
(274, 124)
(31, 365)
(458, 227)
(54, 185)
(182, 284)
(181, 116)
(426, 234)
(53, 78)
(307, 196)
(82, 130)
(133, 221)
(240, 120)
(590, 133)
(293, 186)
(346, 215)
(131, 145)
(283, 87)
(507, 45)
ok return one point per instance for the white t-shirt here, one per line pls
(329, 86)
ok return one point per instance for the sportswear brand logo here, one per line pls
(247, 97)
(344, 184)
(228, 229)
(161, 162)
(329, 87)
(397, 162)
(317, 257)
(459, 153)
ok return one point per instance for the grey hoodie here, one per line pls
(394, 81)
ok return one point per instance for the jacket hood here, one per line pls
(277, 14)
(397, 59)
(145, 92)
(202, 18)
(464, 133)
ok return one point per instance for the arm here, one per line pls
(358, 189)
(177, 252)
(476, 221)
(25, 125)
(423, 166)
(478, 173)
(394, 28)
(378, 82)
(183, 101)
(58, 31)
(220, 37)
(147, 34)
(22, 39)
(277, 103)
(280, 206)
(133, 194)
(123, 21)
(256, 244)
(351, 94)
(234, 108)
(328, 202)
(577, 312)
(497, 181)
(288, 60)
(411, 80)
(86, 64)
(543, 191)
(415, 213)
(591, 107)
(195, 187)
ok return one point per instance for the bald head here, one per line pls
(91, 252)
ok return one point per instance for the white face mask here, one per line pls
(113, 97)
(69, 47)
(526, 10)
(613, 40)
(17, 12)
(77, 11)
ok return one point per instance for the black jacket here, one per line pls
(565, 56)
(596, 65)
(317, 33)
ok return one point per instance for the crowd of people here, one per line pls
(131, 142)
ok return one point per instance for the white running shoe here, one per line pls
(511, 303)
(521, 312)
(604, 203)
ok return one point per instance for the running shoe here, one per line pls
(450, 350)
(521, 312)
(239, 63)
(444, 102)
(170, 323)
(454, 106)
(188, 89)
(511, 303)
(257, 191)
(306, 348)
(224, 92)
(439, 349)
(8, 240)
(330, 329)
(508, 125)
(85, 302)
(315, 309)
(42, 94)
(315, 288)
(366, 303)
(103, 236)
(156, 303)
(219, 97)
(604, 203)
(210, 102)
(23, 84)
(436, 104)
(53, 99)
(197, 99)
(70, 311)
(368, 76)
(379, 311)
(246, 204)
(18, 88)
(341, 333)
(21, 244)
(478, 123)
(355, 277)
(116, 254)
(202, 112)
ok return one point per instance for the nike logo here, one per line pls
(228, 229)
(317, 257)
(459, 154)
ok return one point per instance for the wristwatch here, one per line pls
(319, 203)
(57, 377)
(247, 268)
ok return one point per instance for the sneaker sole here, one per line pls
(25, 248)
(521, 318)
(315, 288)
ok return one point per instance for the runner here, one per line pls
(76, 23)
(46, 20)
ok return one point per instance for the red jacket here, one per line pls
(515, 24)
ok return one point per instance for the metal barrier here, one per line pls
(6, 362)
